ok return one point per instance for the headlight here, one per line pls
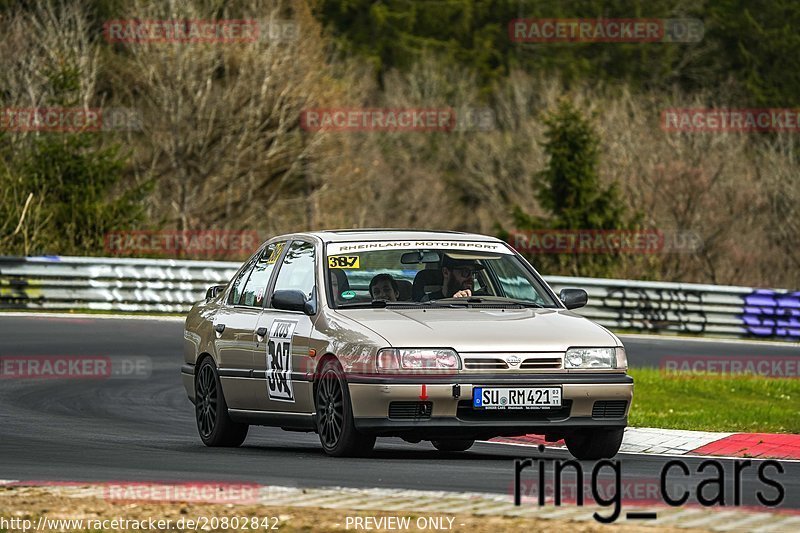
(418, 359)
(591, 358)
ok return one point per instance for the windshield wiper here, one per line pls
(465, 302)
(445, 302)
(353, 305)
(378, 304)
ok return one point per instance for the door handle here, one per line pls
(219, 328)
(261, 332)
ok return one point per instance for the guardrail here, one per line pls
(130, 285)
(171, 286)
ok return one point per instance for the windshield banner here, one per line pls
(337, 248)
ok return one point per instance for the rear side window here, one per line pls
(297, 271)
(256, 287)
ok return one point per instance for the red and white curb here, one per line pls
(432, 504)
(681, 442)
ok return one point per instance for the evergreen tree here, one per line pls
(572, 194)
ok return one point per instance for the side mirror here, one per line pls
(214, 291)
(293, 300)
(573, 298)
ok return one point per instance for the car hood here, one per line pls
(474, 330)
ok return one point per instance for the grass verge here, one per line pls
(710, 402)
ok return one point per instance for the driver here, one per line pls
(458, 278)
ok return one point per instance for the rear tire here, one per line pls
(453, 445)
(211, 411)
(335, 424)
(593, 444)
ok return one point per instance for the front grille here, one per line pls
(466, 412)
(609, 409)
(474, 363)
(410, 410)
(499, 361)
(547, 363)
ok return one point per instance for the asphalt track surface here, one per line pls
(143, 429)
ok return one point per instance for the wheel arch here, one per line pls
(202, 357)
(320, 364)
(199, 361)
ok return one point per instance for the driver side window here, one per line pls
(256, 287)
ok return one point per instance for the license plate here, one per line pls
(516, 398)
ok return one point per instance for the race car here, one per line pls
(440, 336)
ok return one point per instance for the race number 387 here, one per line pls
(343, 261)
(279, 361)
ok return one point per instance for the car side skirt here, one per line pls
(290, 421)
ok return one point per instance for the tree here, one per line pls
(572, 194)
(222, 139)
(61, 191)
(80, 183)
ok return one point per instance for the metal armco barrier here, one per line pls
(172, 286)
(130, 285)
(717, 310)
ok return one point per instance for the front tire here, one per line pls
(335, 425)
(453, 445)
(211, 411)
(593, 444)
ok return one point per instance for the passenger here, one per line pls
(339, 283)
(384, 287)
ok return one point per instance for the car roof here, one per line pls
(380, 234)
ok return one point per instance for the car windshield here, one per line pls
(368, 273)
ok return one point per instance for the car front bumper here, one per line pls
(444, 407)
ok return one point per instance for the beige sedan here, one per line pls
(440, 336)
